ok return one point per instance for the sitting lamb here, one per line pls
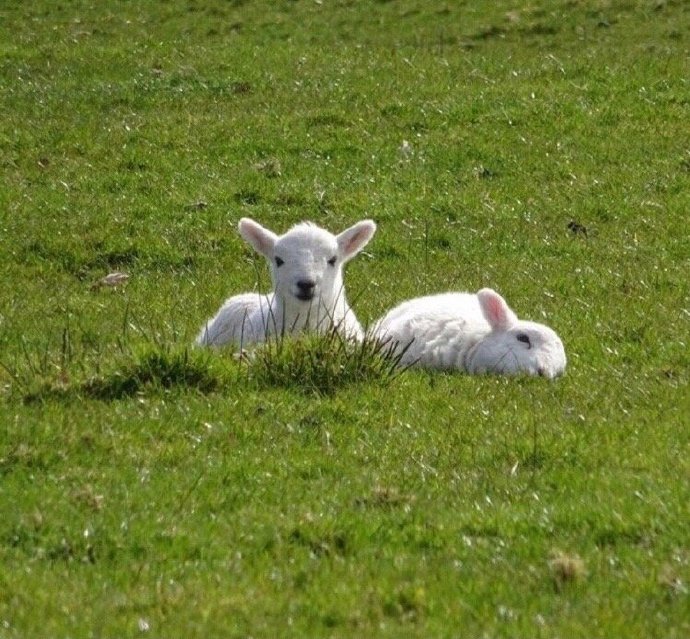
(306, 266)
(472, 333)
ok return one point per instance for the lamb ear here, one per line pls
(259, 237)
(351, 241)
(495, 310)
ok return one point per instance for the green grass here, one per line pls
(152, 489)
(324, 364)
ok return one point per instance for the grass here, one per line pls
(151, 489)
(324, 364)
(314, 365)
(150, 371)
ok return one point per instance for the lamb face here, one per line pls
(515, 346)
(526, 347)
(306, 267)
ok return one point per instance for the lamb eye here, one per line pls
(524, 338)
(332, 261)
(279, 261)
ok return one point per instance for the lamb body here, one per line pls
(475, 333)
(306, 265)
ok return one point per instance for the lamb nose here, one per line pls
(306, 286)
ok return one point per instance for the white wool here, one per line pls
(475, 333)
(306, 266)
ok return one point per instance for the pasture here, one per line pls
(149, 489)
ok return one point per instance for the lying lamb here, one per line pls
(306, 266)
(472, 333)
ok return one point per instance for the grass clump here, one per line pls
(160, 370)
(322, 364)
(150, 371)
(310, 364)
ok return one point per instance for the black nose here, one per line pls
(306, 289)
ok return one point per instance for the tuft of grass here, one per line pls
(324, 363)
(149, 371)
(160, 370)
(310, 364)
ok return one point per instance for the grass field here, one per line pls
(151, 490)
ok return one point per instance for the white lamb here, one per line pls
(472, 333)
(306, 266)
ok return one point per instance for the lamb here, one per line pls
(475, 333)
(308, 294)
